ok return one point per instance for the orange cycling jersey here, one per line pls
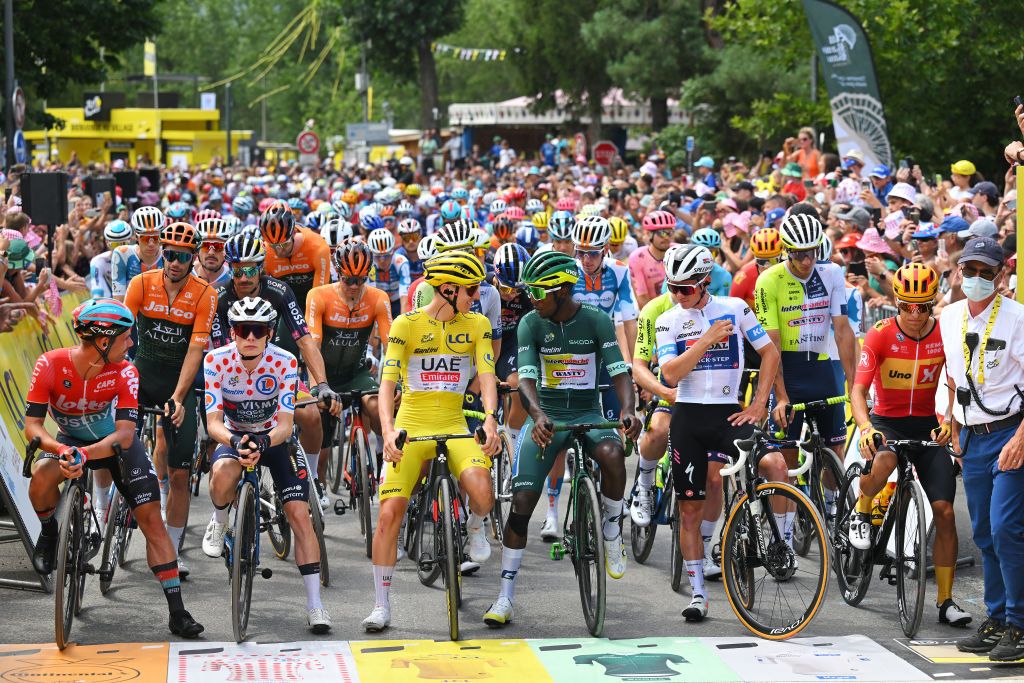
(344, 332)
(905, 371)
(309, 265)
(167, 328)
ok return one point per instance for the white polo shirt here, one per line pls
(1004, 356)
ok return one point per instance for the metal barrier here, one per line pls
(873, 315)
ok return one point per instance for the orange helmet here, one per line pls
(277, 224)
(766, 243)
(387, 211)
(353, 259)
(180, 235)
(915, 283)
(350, 196)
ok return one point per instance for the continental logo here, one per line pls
(98, 670)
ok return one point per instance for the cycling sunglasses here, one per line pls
(149, 239)
(685, 290)
(471, 290)
(592, 253)
(915, 308)
(183, 257)
(804, 255)
(212, 246)
(540, 293)
(765, 262)
(245, 271)
(353, 280)
(257, 330)
(505, 289)
(281, 246)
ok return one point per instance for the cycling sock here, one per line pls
(864, 505)
(511, 559)
(780, 521)
(382, 585)
(220, 514)
(646, 476)
(944, 583)
(311, 578)
(167, 575)
(175, 533)
(313, 459)
(554, 489)
(48, 519)
(101, 494)
(695, 573)
(612, 514)
(787, 530)
(707, 529)
(475, 521)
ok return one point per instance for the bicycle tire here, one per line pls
(243, 560)
(410, 526)
(826, 462)
(112, 539)
(450, 567)
(853, 568)
(69, 565)
(911, 561)
(641, 538)
(338, 452)
(588, 555)
(278, 529)
(316, 516)
(803, 533)
(747, 601)
(365, 486)
(675, 554)
(426, 537)
(195, 472)
(502, 485)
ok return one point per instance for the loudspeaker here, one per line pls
(44, 197)
(95, 186)
(128, 181)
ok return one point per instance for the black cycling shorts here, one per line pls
(287, 467)
(696, 430)
(362, 381)
(935, 468)
(507, 362)
(133, 472)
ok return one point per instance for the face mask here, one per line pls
(977, 288)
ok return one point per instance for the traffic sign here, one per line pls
(690, 142)
(308, 142)
(20, 148)
(604, 152)
(369, 133)
(18, 100)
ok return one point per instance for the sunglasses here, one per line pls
(765, 262)
(115, 245)
(410, 235)
(539, 293)
(212, 246)
(149, 239)
(182, 257)
(245, 271)
(984, 274)
(804, 255)
(915, 308)
(256, 330)
(685, 290)
(282, 245)
(471, 290)
(589, 253)
(505, 289)
(353, 280)
(664, 232)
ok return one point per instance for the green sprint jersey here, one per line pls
(564, 358)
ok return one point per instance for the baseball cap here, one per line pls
(705, 162)
(773, 217)
(954, 224)
(963, 167)
(857, 215)
(984, 249)
(979, 228)
(849, 241)
(903, 191)
(927, 232)
(987, 188)
(743, 185)
(880, 171)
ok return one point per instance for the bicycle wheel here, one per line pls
(336, 470)
(243, 560)
(272, 515)
(317, 517)
(675, 553)
(853, 567)
(449, 554)
(195, 473)
(426, 541)
(502, 483)
(125, 534)
(641, 538)
(365, 487)
(826, 478)
(116, 518)
(66, 579)
(588, 554)
(773, 594)
(911, 561)
(803, 533)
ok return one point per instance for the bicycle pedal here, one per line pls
(105, 575)
(426, 563)
(557, 551)
(88, 568)
(339, 507)
(266, 572)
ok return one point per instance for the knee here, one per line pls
(178, 476)
(775, 467)
(943, 515)
(714, 480)
(390, 517)
(308, 417)
(691, 516)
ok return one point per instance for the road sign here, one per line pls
(308, 142)
(370, 133)
(18, 100)
(604, 152)
(689, 143)
(20, 148)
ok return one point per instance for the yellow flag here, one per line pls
(149, 59)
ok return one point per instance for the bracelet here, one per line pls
(1017, 156)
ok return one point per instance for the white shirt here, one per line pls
(1004, 356)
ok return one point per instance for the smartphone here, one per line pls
(865, 184)
(40, 264)
(808, 183)
(912, 214)
(938, 180)
(858, 268)
(904, 164)
(1011, 204)
(1017, 101)
(710, 206)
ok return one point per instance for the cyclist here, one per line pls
(540, 221)
(390, 272)
(560, 229)
(621, 244)
(426, 250)
(721, 280)
(242, 207)
(646, 267)
(214, 231)
(410, 232)
(766, 246)
(79, 387)
(700, 351)
(562, 333)
(255, 429)
(434, 352)
(174, 312)
(902, 358)
(129, 260)
(116, 234)
(509, 261)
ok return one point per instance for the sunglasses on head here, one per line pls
(256, 330)
(685, 290)
(353, 280)
(245, 271)
(506, 289)
(212, 246)
(177, 256)
(915, 308)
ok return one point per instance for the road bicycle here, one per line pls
(355, 464)
(501, 467)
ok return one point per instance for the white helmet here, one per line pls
(381, 241)
(801, 231)
(117, 231)
(234, 224)
(336, 230)
(456, 235)
(591, 232)
(825, 248)
(533, 206)
(590, 210)
(498, 206)
(687, 262)
(148, 220)
(427, 247)
(252, 309)
(216, 229)
(481, 240)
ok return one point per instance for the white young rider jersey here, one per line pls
(716, 377)
(250, 400)
(997, 362)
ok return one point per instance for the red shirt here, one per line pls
(743, 283)
(904, 371)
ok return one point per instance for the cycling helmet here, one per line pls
(371, 222)
(707, 237)
(427, 248)
(474, 195)
(242, 206)
(534, 206)
(467, 213)
(550, 269)
(372, 207)
(390, 195)
(381, 242)
(343, 209)
(800, 231)
(213, 229)
(180, 235)
(252, 309)
(265, 204)
(277, 224)
(591, 232)
(298, 206)
(590, 210)
(766, 243)
(353, 259)
(179, 211)
(481, 240)
(387, 212)
(148, 220)
(207, 213)
(516, 213)
(659, 220)
(620, 230)
(314, 220)
(450, 210)
(540, 221)
(527, 237)
(117, 231)
(498, 206)
(409, 226)
(413, 190)
(101, 318)
(509, 260)
(515, 194)
(234, 224)
(688, 262)
(456, 235)
(565, 204)
(371, 187)
(404, 208)
(504, 228)
(335, 231)
(460, 194)
(561, 224)
(246, 247)
(915, 283)
(825, 249)
(349, 197)
(457, 268)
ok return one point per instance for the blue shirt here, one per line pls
(547, 152)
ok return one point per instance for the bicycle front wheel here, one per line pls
(588, 554)
(243, 556)
(675, 553)
(911, 561)
(361, 454)
(853, 567)
(278, 529)
(450, 554)
(66, 582)
(502, 483)
(116, 518)
(772, 592)
(826, 478)
(426, 543)
(317, 517)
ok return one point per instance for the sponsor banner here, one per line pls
(301, 662)
(494, 661)
(115, 663)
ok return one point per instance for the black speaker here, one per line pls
(95, 186)
(44, 197)
(128, 181)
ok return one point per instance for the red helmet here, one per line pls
(515, 194)
(659, 220)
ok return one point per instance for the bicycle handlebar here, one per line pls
(403, 437)
(812, 405)
(744, 446)
(169, 429)
(584, 426)
(32, 447)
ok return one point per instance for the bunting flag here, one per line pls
(474, 54)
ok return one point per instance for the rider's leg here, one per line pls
(517, 412)
(310, 435)
(102, 480)
(224, 476)
(177, 503)
(554, 487)
(160, 465)
(161, 553)
(514, 539)
(944, 552)
(690, 514)
(612, 460)
(652, 447)
(307, 549)
(371, 416)
(871, 483)
(385, 549)
(476, 483)
(45, 496)
(712, 504)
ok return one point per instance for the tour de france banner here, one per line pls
(849, 69)
(19, 350)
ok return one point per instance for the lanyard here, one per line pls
(984, 341)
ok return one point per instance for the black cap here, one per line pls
(984, 249)
(743, 185)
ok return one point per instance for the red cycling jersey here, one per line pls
(905, 371)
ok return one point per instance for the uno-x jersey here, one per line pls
(905, 371)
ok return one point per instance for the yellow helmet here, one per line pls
(915, 283)
(454, 267)
(620, 230)
(766, 243)
(540, 220)
(413, 190)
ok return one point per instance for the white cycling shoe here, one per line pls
(213, 539)
(318, 620)
(860, 531)
(549, 532)
(479, 548)
(615, 557)
(379, 619)
(642, 509)
(697, 610)
(500, 613)
(183, 570)
(711, 570)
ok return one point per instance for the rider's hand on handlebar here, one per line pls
(492, 444)
(543, 430)
(631, 424)
(328, 399)
(780, 414)
(248, 450)
(68, 468)
(391, 452)
(178, 414)
(867, 445)
(943, 433)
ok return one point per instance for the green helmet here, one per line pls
(550, 269)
